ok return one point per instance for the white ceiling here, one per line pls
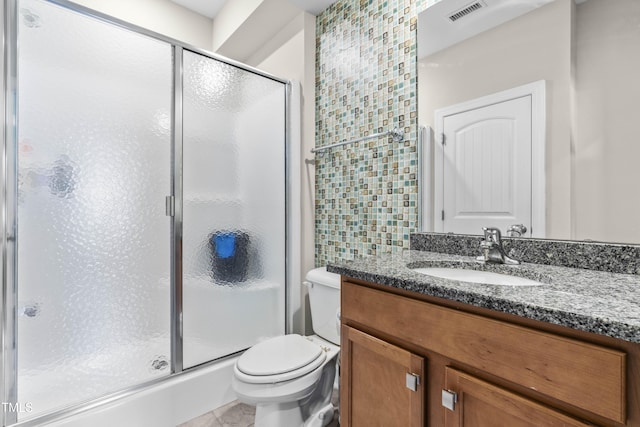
(210, 8)
(207, 8)
(436, 31)
(315, 7)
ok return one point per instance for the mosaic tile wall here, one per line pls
(366, 69)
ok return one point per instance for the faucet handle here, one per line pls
(492, 234)
(516, 230)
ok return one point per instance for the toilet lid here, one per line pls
(279, 355)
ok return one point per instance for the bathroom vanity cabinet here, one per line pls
(413, 360)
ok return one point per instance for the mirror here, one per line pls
(588, 54)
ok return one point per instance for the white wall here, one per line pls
(230, 17)
(161, 16)
(242, 27)
(607, 95)
(535, 46)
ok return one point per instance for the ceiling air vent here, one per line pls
(466, 11)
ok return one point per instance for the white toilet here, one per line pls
(290, 378)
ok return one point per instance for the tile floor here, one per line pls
(236, 414)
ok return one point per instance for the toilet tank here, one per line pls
(324, 299)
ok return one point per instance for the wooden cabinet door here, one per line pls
(481, 404)
(375, 379)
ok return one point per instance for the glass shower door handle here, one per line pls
(11, 234)
(170, 206)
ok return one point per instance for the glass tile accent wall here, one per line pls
(366, 70)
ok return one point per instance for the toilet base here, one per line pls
(290, 414)
(278, 414)
(321, 418)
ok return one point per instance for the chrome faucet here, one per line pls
(492, 250)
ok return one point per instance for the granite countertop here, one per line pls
(600, 302)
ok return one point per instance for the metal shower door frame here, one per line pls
(8, 390)
(8, 188)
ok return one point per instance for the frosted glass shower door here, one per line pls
(233, 209)
(94, 167)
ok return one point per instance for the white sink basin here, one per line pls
(477, 276)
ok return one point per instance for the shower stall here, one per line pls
(144, 209)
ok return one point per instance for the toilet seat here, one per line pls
(279, 359)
